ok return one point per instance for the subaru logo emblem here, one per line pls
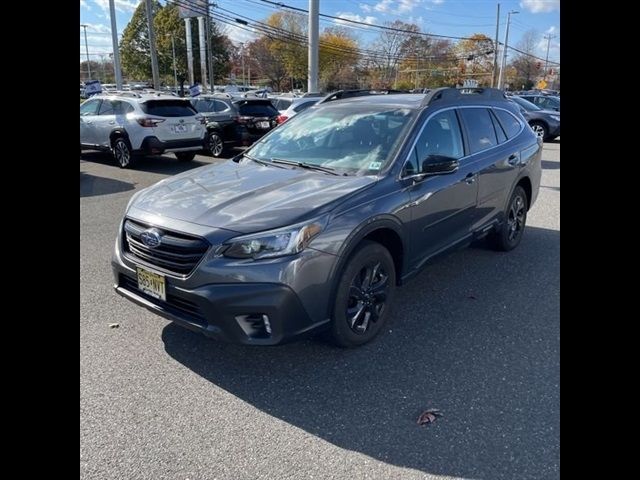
(151, 237)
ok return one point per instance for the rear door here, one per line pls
(495, 156)
(105, 122)
(180, 121)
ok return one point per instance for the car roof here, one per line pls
(139, 97)
(410, 100)
(439, 97)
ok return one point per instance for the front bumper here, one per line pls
(155, 146)
(230, 312)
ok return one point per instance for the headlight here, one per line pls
(275, 243)
(556, 117)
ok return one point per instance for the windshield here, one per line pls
(525, 104)
(352, 139)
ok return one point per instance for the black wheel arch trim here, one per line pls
(379, 222)
(119, 132)
(513, 188)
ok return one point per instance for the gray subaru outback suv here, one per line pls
(315, 225)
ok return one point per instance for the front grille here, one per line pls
(176, 305)
(177, 253)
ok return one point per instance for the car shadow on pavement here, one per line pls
(92, 185)
(164, 164)
(547, 165)
(476, 335)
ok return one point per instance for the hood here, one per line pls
(247, 197)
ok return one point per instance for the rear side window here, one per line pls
(122, 108)
(480, 128)
(258, 109)
(498, 129)
(302, 106)
(204, 105)
(510, 124)
(168, 108)
(90, 107)
(106, 108)
(282, 104)
(220, 106)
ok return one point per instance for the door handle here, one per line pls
(470, 178)
(112, 123)
(89, 122)
(513, 159)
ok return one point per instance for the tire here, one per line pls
(122, 152)
(185, 156)
(509, 234)
(215, 144)
(361, 304)
(541, 130)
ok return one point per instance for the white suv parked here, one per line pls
(129, 124)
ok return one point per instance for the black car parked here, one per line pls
(233, 122)
(546, 123)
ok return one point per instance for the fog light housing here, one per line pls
(255, 325)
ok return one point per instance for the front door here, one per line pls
(88, 116)
(442, 206)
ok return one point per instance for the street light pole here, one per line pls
(546, 60)
(506, 46)
(152, 46)
(495, 50)
(86, 48)
(114, 40)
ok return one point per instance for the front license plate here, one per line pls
(263, 125)
(179, 128)
(152, 284)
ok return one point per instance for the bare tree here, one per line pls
(526, 66)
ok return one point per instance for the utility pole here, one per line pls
(152, 46)
(86, 48)
(242, 58)
(203, 55)
(249, 68)
(314, 20)
(209, 48)
(187, 28)
(175, 72)
(506, 46)
(495, 50)
(114, 41)
(546, 60)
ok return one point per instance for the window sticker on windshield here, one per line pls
(375, 165)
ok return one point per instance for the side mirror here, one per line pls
(439, 165)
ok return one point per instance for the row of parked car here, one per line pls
(132, 123)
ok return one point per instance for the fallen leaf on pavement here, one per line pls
(429, 416)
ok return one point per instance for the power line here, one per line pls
(372, 25)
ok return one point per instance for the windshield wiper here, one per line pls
(309, 166)
(261, 162)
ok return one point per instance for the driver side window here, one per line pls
(441, 136)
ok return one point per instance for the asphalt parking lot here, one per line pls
(475, 335)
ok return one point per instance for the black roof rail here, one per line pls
(341, 94)
(475, 93)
